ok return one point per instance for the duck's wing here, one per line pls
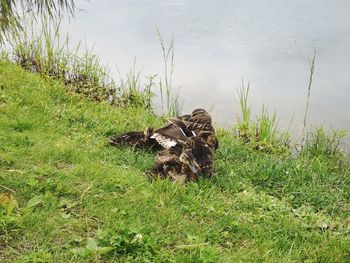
(181, 124)
(173, 134)
(181, 129)
(164, 141)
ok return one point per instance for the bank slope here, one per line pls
(66, 195)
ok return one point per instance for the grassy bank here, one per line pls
(67, 196)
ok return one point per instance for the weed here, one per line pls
(91, 248)
(46, 52)
(15, 13)
(261, 133)
(126, 241)
(312, 70)
(324, 141)
(130, 92)
(173, 102)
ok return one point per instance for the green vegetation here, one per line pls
(173, 101)
(312, 70)
(325, 141)
(48, 53)
(260, 133)
(67, 196)
(14, 12)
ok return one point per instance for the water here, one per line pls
(218, 43)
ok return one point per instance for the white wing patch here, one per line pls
(163, 141)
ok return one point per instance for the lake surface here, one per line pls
(269, 43)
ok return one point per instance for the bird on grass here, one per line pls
(185, 147)
(203, 149)
(187, 161)
(178, 130)
(182, 168)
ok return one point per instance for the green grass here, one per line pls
(47, 52)
(260, 133)
(77, 199)
(40, 48)
(174, 102)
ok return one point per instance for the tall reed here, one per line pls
(44, 51)
(243, 101)
(130, 92)
(260, 132)
(14, 14)
(173, 101)
(323, 141)
(312, 69)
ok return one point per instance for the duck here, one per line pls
(179, 168)
(187, 161)
(203, 149)
(181, 129)
(178, 131)
(210, 139)
(199, 120)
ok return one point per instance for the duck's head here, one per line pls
(201, 117)
(187, 158)
(198, 111)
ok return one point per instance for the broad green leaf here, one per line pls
(91, 244)
(80, 251)
(103, 250)
(38, 199)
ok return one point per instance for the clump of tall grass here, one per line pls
(323, 141)
(40, 48)
(13, 14)
(130, 92)
(320, 141)
(312, 71)
(173, 101)
(48, 53)
(260, 132)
